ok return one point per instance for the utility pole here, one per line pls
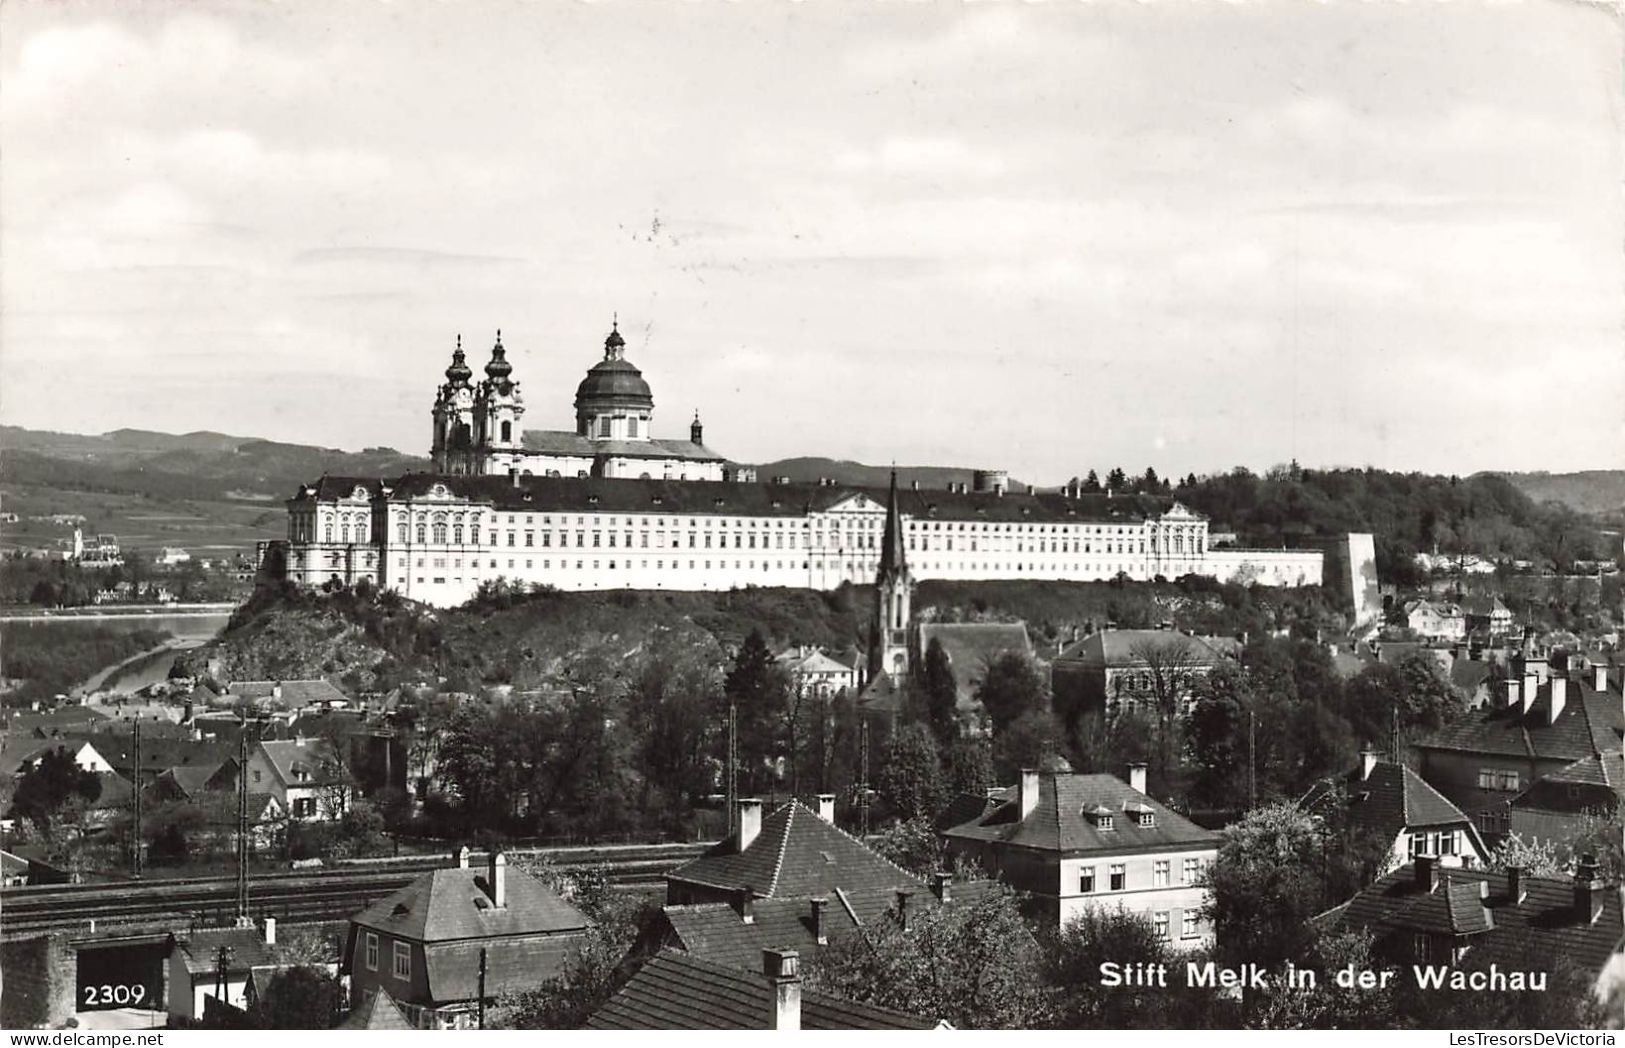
(1252, 763)
(222, 959)
(242, 824)
(1393, 736)
(732, 771)
(481, 1020)
(136, 855)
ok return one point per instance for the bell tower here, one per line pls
(497, 409)
(888, 641)
(454, 417)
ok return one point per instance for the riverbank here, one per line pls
(106, 612)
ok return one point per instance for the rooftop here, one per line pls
(1590, 722)
(1115, 648)
(1058, 822)
(453, 904)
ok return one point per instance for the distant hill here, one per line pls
(810, 469)
(1589, 491)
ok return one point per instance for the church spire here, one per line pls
(459, 373)
(892, 559)
(614, 344)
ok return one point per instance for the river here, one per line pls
(188, 627)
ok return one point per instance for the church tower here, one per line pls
(497, 409)
(613, 403)
(888, 643)
(454, 417)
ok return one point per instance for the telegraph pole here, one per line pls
(136, 857)
(863, 776)
(1252, 763)
(482, 989)
(242, 824)
(732, 771)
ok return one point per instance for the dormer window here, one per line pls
(1104, 822)
(1147, 819)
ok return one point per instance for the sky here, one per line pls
(1042, 237)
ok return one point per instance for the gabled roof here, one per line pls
(677, 991)
(1392, 799)
(796, 855)
(377, 1011)
(1589, 723)
(1115, 648)
(810, 661)
(970, 646)
(63, 718)
(313, 757)
(1058, 822)
(1591, 783)
(1455, 908)
(200, 950)
(512, 964)
(1484, 607)
(453, 904)
(568, 442)
(1528, 936)
(295, 693)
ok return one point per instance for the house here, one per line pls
(971, 647)
(1471, 920)
(1435, 620)
(1555, 807)
(1488, 613)
(287, 694)
(20, 755)
(1393, 802)
(158, 752)
(376, 1011)
(13, 870)
(1544, 720)
(678, 991)
(1077, 841)
(812, 669)
(217, 963)
(308, 779)
(1122, 670)
(427, 943)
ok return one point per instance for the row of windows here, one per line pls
(1117, 875)
(402, 957)
(1498, 779)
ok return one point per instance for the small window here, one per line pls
(1159, 921)
(372, 951)
(1161, 872)
(403, 961)
(1188, 928)
(1086, 880)
(1147, 819)
(1119, 876)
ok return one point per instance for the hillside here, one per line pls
(1599, 491)
(378, 643)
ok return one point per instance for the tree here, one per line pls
(675, 711)
(54, 789)
(1216, 737)
(911, 773)
(1264, 885)
(941, 692)
(1167, 665)
(1028, 742)
(1091, 483)
(1098, 936)
(1116, 480)
(1010, 687)
(911, 844)
(975, 965)
(1326, 1005)
(968, 767)
(303, 998)
(757, 688)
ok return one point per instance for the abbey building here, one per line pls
(610, 506)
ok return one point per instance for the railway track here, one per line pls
(326, 893)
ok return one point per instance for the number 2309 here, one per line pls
(109, 994)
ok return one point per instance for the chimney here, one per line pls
(496, 879)
(462, 857)
(270, 931)
(744, 903)
(914, 485)
(826, 807)
(1032, 489)
(1027, 792)
(1531, 684)
(513, 474)
(750, 820)
(276, 691)
(1588, 889)
(820, 933)
(1517, 891)
(1512, 692)
(1427, 873)
(1136, 776)
(1368, 762)
(1601, 678)
(942, 884)
(783, 971)
(903, 895)
(1560, 694)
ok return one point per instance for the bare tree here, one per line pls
(1164, 672)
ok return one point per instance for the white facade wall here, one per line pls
(439, 550)
(1143, 891)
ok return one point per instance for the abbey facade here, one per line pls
(609, 507)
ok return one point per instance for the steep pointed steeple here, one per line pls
(892, 559)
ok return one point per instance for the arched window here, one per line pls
(344, 532)
(440, 532)
(507, 431)
(400, 532)
(457, 535)
(327, 532)
(422, 533)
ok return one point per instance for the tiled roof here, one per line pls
(449, 904)
(1057, 822)
(568, 442)
(190, 778)
(1484, 607)
(1394, 798)
(200, 950)
(814, 661)
(295, 693)
(796, 854)
(1531, 935)
(377, 1011)
(512, 964)
(1590, 722)
(1468, 674)
(963, 808)
(1456, 908)
(63, 718)
(1594, 783)
(157, 755)
(734, 499)
(312, 756)
(1124, 647)
(677, 991)
(970, 646)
